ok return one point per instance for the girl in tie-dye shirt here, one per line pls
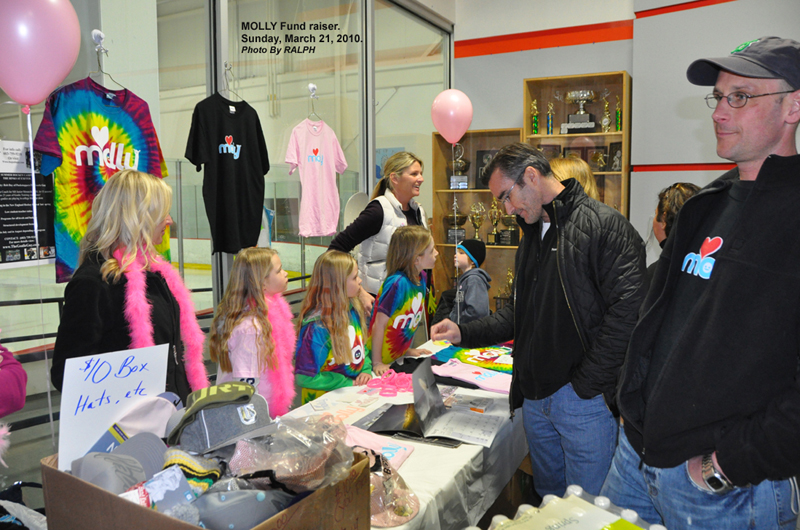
(399, 306)
(331, 352)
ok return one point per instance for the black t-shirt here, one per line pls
(697, 268)
(226, 136)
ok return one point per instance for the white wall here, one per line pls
(478, 18)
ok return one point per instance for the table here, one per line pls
(455, 486)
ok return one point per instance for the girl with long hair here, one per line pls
(252, 337)
(331, 348)
(400, 304)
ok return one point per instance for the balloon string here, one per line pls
(27, 110)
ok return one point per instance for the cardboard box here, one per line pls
(72, 503)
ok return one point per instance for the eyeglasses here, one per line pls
(736, 100)
(507, 194)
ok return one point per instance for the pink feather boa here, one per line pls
(280, 380)
(138, 314)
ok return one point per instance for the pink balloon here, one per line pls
(39, 44)
(451, 113)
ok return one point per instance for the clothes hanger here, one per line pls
(98, 37)
(228, 89)
(313, 89)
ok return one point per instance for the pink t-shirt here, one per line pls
(314, 148)
(243, 353)
(485, 379)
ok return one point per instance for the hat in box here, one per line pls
(226, 424)
(240, 509)
(150, 414)
(136, 460)
(207, 398)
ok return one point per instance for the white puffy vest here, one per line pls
(372, 256)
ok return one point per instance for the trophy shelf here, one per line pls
(607, 152)
(476, 143)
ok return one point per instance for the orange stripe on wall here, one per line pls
(721, 166)
(681, 7)
(550, 38)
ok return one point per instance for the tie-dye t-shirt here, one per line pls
(402, 301)
(87, 134)
(315, 354)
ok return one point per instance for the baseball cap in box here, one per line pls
(224, 425)
(206, 398)
(766, 57)
(136, 460)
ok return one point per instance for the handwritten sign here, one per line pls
(99, 389)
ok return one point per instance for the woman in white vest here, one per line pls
(391, 207)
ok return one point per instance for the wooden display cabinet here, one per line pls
(498, 258)
(613, 171)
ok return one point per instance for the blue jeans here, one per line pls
(670, 497)
(571, 441)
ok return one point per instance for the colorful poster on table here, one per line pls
(496, 358)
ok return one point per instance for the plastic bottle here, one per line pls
(602, 502)
(574, 489)
(629, 515)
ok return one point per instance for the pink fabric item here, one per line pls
(138, 314)
(13, 380)
(490, 380)
(394, 451)
(281, 380)
(314, 148)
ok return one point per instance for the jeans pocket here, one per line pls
(694, 484)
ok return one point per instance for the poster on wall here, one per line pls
(18, 246)
(381, 156)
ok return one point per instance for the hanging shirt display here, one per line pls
(314, 148)
(226, 136)
(87, 134)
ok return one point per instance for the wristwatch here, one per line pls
(715, 480)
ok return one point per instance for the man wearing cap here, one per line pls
(578, 288)
(709, 392)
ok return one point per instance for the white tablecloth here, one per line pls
(455, 486)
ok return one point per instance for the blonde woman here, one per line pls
(331, 348)
(391, 207)
(578, 169)
(123, 294)
(252, 337)
(400, 305)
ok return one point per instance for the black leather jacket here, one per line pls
(601, 263)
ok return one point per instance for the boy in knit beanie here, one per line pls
(472, 293)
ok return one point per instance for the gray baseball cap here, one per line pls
(216, 427)
(767, 58)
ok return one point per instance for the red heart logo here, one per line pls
(229, 140)
(316, 151)
(710, 246)
(476, 373)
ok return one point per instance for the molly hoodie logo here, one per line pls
(316, 157)
(702, 264)
(110, 157)
(230, 148)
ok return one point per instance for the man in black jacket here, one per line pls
(579, 273)
(709, 392)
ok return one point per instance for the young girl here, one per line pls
(252, 336)
(330, 351)
(399, 306)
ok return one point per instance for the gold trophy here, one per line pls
(605, 123)
(454, 221)
(506, 292)
(494, 217)
(459, 167)
(510, 237)
(476, 216)
(534, 117)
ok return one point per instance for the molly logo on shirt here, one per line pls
(230, 148)
(410, 318)
(702, 264)
(316, 157)
(110, 157)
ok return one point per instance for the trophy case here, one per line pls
(461, 180)
(585, 116)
